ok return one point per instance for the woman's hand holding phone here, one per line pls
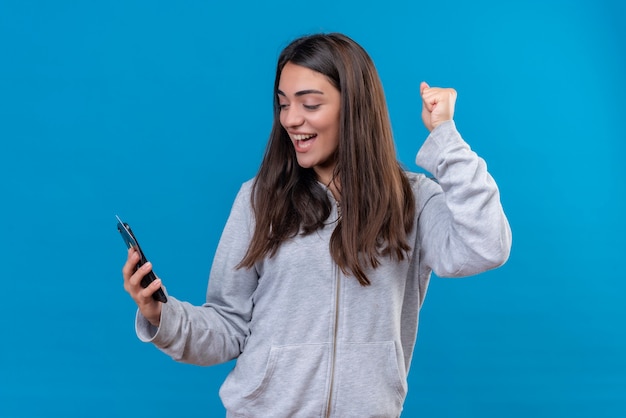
(148, 306)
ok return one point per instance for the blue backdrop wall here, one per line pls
(158, 111)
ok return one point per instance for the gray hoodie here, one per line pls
(309, 340)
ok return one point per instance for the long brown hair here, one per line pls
(377, 205)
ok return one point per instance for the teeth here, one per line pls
(303, 137)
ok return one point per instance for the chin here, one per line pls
(305, 164)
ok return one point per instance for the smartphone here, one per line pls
(131, 241)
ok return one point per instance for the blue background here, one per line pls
(158, 110)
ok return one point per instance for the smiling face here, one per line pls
(309, 112)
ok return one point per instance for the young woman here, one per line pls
(324, 262)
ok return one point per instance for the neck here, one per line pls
(327, 177)
(333, 186)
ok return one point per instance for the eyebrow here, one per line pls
(301, 92)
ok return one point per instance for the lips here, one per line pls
(303, 142)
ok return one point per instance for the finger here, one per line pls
(131, 263)
(135, 279)
(453, 95)
(427, 93)
(430, 93)
(152, 287)
(437, 94)
(430, 97)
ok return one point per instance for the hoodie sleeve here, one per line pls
(216, 331)
(462, 227)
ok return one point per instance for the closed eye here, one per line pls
(311, 107)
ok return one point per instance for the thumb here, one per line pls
(423, 86)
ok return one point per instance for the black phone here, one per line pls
(131, 241)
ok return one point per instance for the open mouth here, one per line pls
(303, 142)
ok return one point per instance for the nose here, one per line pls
(291, 117)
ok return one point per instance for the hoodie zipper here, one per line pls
(334, 342)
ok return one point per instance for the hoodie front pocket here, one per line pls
(293, 385)
(370, 380)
